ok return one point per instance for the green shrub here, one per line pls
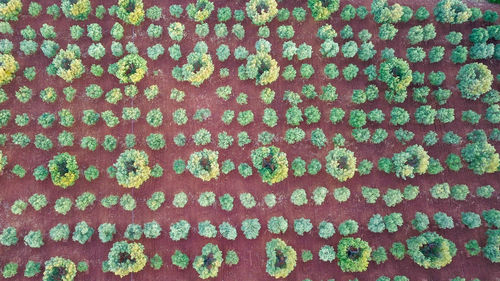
(127, 202)
(8, 237)
(180, 259)
(10, 270)
(250, 228)
(302, 226)
(32, 268)
(357, 262)
(60, 232)
(34, 239)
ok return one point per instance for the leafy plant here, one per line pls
(353, 254)
(281, 258)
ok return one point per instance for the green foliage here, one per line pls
(443, 220)
(353, 254)
(152, 230)
(281, 258)
(481, 157)
(82, 232)
(370, 194)
(397, 75)
(302, 226)
(341, 194)
(490, 250)
(180, 259)
(60, 232)
(472, 247)
(250, 228)
(8, 237)
(341, 164)
(18, 207)
(379, 255)
(210, 269)
(398, 250)
(420, 222)
(471, 220)
(206, 199)
(134, 260)
(34, 239)
(232, 258)
(485, 191)
(10, 270)
(350, 72)
(156, 262)
(128, 202)
(32, 268)
(436, 256)
(106, 232)
(387, 31)
(452, 11)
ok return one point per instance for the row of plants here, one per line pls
(132, 167)
(429, 250)
(294, 115)
(260, 12)
(74, 68)
(251, 228)
(317, 138)
(391, 198)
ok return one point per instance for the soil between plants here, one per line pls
(251, 252)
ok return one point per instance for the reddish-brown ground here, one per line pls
(251, 252)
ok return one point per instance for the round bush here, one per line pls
(125, 258)
(271, 164)
(63, 170)
(430, 250)
(131, 11)
(132, 168)
(341, 164)
(8, 68)
(130, 69)
(58, 268)
(474, 80)
(208, 263)
(353, 254)
(281, 258)
(203, 164)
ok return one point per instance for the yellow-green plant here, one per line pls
(10, 9)
(130, 69)
(131, 11)
(322, 9)
(414, 160)
(132, 168)
(271, 163)
(207, 265)
(200, 11)
(67, 64)
(431, 250)
(76, 9)
(261, 11)
(125, 258)
(262, 67)
(199, 66)
(203, 164)
(8, 68)
(58, 268)
(281, 258)
(341, 164)
(63, 170)
(354, 254)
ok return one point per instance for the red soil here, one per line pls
(251, 252)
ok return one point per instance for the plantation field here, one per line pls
(249, 125)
